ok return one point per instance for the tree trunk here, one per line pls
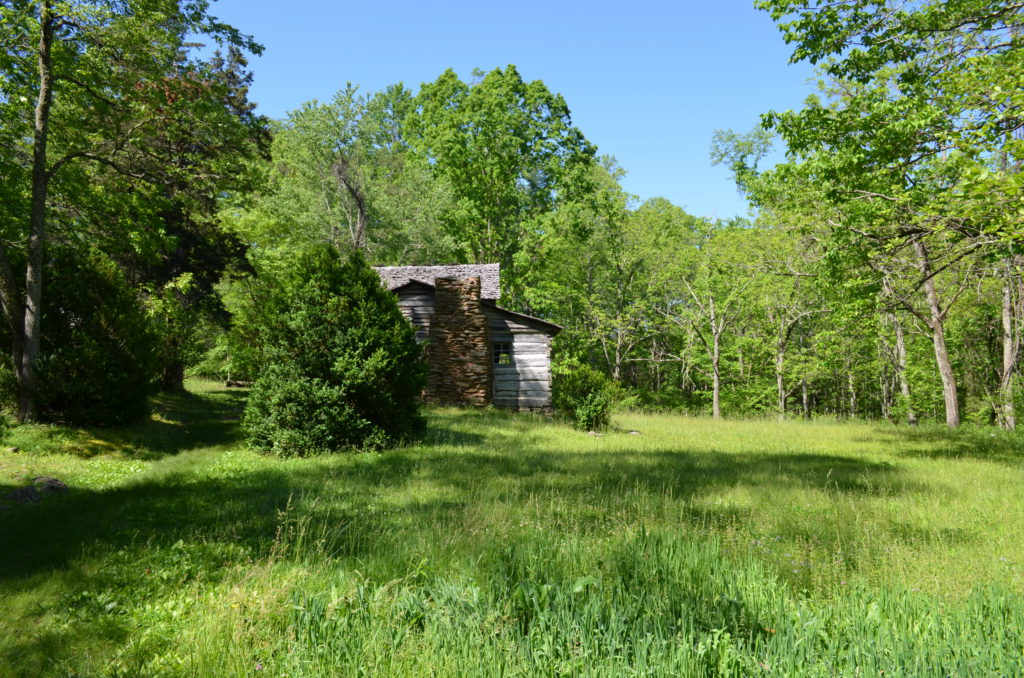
(14, 308)
(172, 374)
(617, 366)
(656, 365)
(883, 385)
(780, 384)
(851, 386)
(37, 222)
(716, 387)
(716, 352)
(901, 358)
(805, 401)
(949, 392)
(901, 368)
(343, 172)
(1008, 418)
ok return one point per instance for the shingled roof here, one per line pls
(489, 274)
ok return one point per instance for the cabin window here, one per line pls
(502, 352)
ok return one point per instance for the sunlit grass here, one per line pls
(513, 545)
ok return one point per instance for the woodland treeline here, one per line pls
(879, 276)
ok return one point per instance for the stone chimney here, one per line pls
(459, 346)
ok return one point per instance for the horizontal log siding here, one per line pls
(526, 383)
(418, 307)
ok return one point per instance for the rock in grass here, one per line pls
(42, 486)
(24, 495)
(48, 486)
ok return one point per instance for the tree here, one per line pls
(917, 140)
(510, 154)
(114, 86)
(341, 172)
(786, 255)
(710, 297)
(97, 360)
(341, 366)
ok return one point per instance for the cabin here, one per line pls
(478, 353)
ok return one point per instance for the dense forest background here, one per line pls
(879, 276)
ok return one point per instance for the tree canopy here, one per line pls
(879, 276)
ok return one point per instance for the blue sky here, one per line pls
(648, 82)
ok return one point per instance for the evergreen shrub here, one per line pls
(583, 395)
(341, 368)
(97, 357)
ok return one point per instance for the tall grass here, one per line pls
(511, 545)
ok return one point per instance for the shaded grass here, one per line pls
(510, 545)
(206, 416)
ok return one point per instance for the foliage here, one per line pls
(118, 135)
(341, 172)
(99, 354)
(798, 311)
(915, 152)
(341, 369)
(582, 394)
(509, 152)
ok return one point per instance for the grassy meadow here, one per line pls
(509, 545)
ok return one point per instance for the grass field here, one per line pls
(510, 545)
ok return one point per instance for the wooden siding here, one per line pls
(525, 384)
(417, 304)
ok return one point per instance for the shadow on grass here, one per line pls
(935, 442)
(187, 526)
(179, 421)
(674, 473)
(245, 509)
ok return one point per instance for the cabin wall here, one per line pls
(525, 384)
(417, 305)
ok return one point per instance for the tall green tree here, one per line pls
(920, 134)
(711, 296)
(511, 155)
(104, 83)
(341, 366)
(340, 172)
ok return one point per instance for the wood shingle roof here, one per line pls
(397, 276)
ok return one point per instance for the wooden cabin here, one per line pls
(477, 352)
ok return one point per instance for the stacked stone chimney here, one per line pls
(459, 346)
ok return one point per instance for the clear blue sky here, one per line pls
(647, 81)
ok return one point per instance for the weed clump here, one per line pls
(583, 395)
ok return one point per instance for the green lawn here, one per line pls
(510, 545)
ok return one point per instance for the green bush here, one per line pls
(97, 358)
(583, 394)
(342, 369)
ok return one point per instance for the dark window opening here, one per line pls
(502, 353)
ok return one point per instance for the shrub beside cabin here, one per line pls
(477, 352)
